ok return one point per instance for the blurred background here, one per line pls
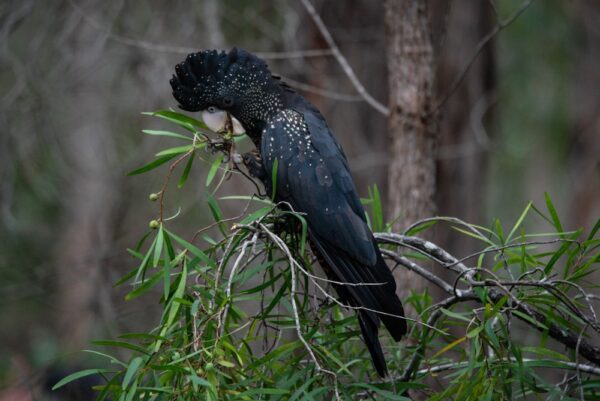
(75, 76)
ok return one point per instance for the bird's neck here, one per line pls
(265, 106)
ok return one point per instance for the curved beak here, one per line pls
(217, 121)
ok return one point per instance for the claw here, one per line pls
(253, 163)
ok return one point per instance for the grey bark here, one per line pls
(412, 129)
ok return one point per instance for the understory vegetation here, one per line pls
(247, 314)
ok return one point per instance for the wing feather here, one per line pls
(313, 176)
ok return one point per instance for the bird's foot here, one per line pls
(253, 162)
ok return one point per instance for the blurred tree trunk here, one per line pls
(90, 195)
(464, 141)
(584, 165)
(411, 126)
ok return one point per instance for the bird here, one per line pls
(312, 177)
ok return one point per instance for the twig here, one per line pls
(459, 365)
(168, 178)
(420, 352)
(223, 317)
(162, 48)
(564, 336)
(320, 91)
(293, 264)
(480, 46)
(342, 60)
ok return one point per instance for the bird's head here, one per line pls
(217, 83)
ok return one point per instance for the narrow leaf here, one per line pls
(214, 168)
(182, 120)
(78, 375)
(152, 165)
(166, 133)
(186, 171)
(131, 370)
(177, 150)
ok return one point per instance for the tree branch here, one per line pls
(342, 60)
(497, 291)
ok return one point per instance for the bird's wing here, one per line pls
(313, 176)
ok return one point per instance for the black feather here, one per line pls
(314, 178)
(369, 331)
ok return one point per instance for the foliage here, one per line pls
(247, 315)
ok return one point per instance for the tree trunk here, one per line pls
(90, 195)
(584, 168)
(411, 126)
(464, 141)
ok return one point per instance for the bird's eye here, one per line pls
(228, 101)
(211, 109)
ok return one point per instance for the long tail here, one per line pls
(370, 331)
(381, 298)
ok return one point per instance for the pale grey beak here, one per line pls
(216, 120)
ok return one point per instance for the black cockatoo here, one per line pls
(312, 176)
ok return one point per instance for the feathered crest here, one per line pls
(207, 76)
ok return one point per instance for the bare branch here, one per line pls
(342, 60)
(480, 46)
(162, 48)
(498, 290)
(320, 91)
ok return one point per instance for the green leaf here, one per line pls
(217, 213)
(519, 222)
(146, 285)
(553, 213)
(111, 358)
(474, 235)
(421, 227)
(182, 120)
(200, 381)
(190, 247)
(166, 133)
(177, 150)
(152, 165)
(263, 211)
(387, 395)
(173, 307)
(141, 270)
(545, 352)
(159, 246)
(265, 391)
(594, 230)
(302, 389)
(186, 171)
(454, 344)
(529, 319)
(214, 168)
(248, 198)
(121, 344)
(459, 316)
(131, 370)
(377, 210)
(563, 248)
(78, 375)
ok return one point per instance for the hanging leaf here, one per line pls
(214, 168)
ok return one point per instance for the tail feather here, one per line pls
(374, 298)
(370, 332)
